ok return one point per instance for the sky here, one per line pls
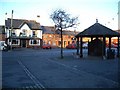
(106, 11)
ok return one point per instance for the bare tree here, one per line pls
(62, 21)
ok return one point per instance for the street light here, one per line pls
(11, 29)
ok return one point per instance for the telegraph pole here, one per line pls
(11, 29)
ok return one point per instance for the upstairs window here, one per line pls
(24, 32)
(13, 34)
(34, 34)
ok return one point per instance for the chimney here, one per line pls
(38, 18)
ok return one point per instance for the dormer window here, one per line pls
(20, 34)
(24, 32)
(13, 34)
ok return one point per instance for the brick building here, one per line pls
(53, 37)
(2, 33)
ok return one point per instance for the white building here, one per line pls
(24, 33)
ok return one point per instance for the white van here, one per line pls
(2, 43)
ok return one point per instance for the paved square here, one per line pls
(31, 68)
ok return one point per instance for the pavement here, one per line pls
(0, 70)
(38, 68)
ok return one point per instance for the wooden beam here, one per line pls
(78, 46)
(109, 43)
(91, 38)
(118, 49)
(81, 48)
(104, 46)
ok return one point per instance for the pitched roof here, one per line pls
(48, 29)
(18, 23)
(2, 29)
(52, 30)
(98, 29)
(69, 32)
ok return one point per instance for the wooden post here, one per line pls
(109, 43)
(77, 45)
(81, 52)
(118, 47)
(91, 38)
(104, 47)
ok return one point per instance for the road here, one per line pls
(31, 68)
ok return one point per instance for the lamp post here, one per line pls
(11, 29)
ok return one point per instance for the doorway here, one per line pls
(23, 43)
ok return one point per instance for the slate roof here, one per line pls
(52, 30)
(98, 30)
(2, 29)
(18, 23)
(47, 29)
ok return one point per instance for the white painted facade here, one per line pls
(25, 32)
(28, 32)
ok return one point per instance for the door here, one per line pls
(23, 43)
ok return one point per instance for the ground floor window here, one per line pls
(68, 42)
(64, 43)
(44, 42)
(59, 43)
(49, 42)
(15, 41)
(34, 42)
(54, 43)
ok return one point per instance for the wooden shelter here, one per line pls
(97, 30)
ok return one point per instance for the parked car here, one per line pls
(71, 46)
(46, 46)
(4, 46)
(85, 45)
(112, 45)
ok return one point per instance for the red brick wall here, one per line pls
(55, 38)
(2, 37)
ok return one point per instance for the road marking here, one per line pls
(32, 77)
(73, 68)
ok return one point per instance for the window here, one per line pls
(34, 34)
(69, 36)
(20, 34)
(34, 42)
(44, 43)
(64, 43)
(68, 42)
(24, 32)
(13, 34)
(49, 42)
(15, 41)
(59, 43)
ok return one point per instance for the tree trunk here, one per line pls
(61, 45)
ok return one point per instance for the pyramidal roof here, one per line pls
(98, 29)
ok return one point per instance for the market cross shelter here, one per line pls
(99, 32)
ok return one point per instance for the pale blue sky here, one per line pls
(87, 10)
